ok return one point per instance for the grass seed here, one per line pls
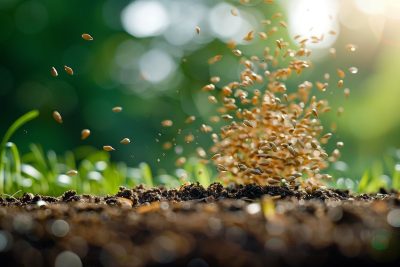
(85, 134)
(87, 37)
(69, 70)
(53, 72)
(57, 117)
(125, 141)
(108, 148)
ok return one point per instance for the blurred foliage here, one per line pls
(38, 34)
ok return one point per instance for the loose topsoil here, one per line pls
(197, 227)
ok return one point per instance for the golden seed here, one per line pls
(53, 72)
(117, 109)
(180, 161)
(85, 134)
(68, 70)
(198, 29)
(190, 119)
(221, 168)
(214, 59)
(125, 141)
(339, 144)
(57, 117)
(346, 92)
(212, 99)
(234, 12)
(215, 156)
(340, 83)
(341, 74)
(167, 123)
(263, 35)
(208, 87)
(237, 52)
(87, 37)
(189, 138)
(108, 148)
(353, 70)
(249, 36)
(315, 113)
(283, 24)
(167, 145)
(72, 172)
(215, 79)
(351, 47)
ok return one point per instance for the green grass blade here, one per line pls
(146, 173)
(364, 181)
(14, 127)
(202, 174)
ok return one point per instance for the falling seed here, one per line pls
(332, 32)
(53, 72)
(215, 156)
(125, 141)
(283, 24)
(340, 83)
(85, 134)
(190, 119)
(234, 12)
(117, 109)
(108, 148)
(208, 87)
(212, 99)
(57, 117)
(180, 161)
(346, 92)
(68, 70)
(167, 123)
(315, 113)
(72, 172)
(215, 79)
(237, 52)
(87, 37)
(341, 73)
(339, 144)
(351, 47)
(214, 59)
(198, 29)
(221, 168)
(353, 70)
(249, 36)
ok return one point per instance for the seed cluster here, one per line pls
(271, 134)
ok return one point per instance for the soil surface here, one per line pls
(198, 227)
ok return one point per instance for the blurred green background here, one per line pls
(147, 58)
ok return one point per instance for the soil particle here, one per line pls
(238, 225)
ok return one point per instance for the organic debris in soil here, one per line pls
(240, 225)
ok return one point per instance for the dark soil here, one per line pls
(197, 227)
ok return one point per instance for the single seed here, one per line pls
(125, 141)
(108, 148)
(215, 156)
(340, 83)
(68, 70)
(237, 52)
(214, 59)
(221, 168)
(339, 144)
(249, 36)
(57, 117)
(215, 79)
(234, 12)
(87, 37)
(315, 113)
(341, 74)
(180, 161)
(117, 109)
(351, 47)
(353, 70)
(53, 72)
(198, 29)
(346, 92)
(85, 134)
(72, 172)
(208, 87)
(167, 123)
(190, 119)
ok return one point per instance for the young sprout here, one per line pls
(57, 117)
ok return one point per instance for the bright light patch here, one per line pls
(314, 18)
(145, 18)
(371, 7)
(156, 65)
(228, 27)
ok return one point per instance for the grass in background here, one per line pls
(45, 172)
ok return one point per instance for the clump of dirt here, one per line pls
(238, 225)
